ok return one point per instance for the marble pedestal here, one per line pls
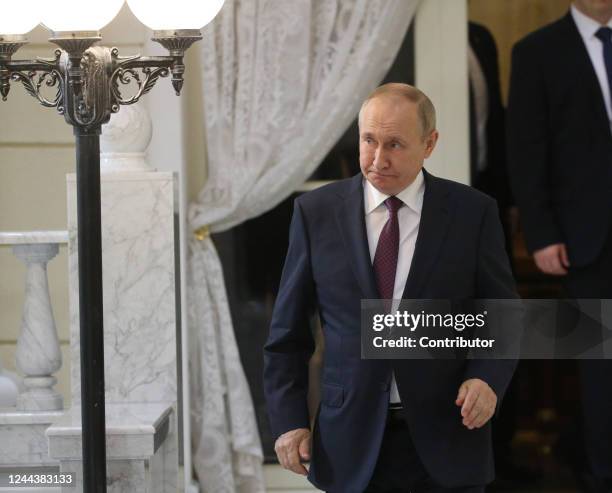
(139, 455)
(25, 434)
(138, 262)
(140, 328)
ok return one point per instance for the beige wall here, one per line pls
(195, 133)
(510, 20)
(36, 153)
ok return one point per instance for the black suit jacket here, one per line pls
(559, 143)
(459, 254)
(493, 180)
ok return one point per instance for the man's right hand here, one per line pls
(552, 259)
(291, 448)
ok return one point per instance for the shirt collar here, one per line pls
(586, 26)
(412, 195)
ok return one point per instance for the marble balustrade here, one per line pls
(36, 404)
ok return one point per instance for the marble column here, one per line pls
(38, 352)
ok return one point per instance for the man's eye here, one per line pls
(395, 145)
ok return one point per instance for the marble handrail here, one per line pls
(38, 354)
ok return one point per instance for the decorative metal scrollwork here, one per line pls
(126, 75)
(32, 86)
(33, 75)
(89, 81)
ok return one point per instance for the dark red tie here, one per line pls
(385, 258)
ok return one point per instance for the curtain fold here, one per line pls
(281, 81)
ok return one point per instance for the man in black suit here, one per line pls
(393, 231)
(560, 163)
(487, 119)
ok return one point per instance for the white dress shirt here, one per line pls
(587, 28)
(409, 218)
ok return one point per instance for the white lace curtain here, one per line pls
(282, 80)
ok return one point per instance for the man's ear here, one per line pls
(430, 142)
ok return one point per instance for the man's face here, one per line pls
(392, 147)
(598, 9)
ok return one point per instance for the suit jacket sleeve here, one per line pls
(528, 148)
(290, 343)
(493, 281)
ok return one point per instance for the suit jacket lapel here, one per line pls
(435, 219)
(351, 222)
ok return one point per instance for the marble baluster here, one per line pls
(38, 353)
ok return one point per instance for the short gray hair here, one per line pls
(425, 108)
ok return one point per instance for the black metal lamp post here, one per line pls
(88, 79)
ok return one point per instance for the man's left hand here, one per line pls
(477, 401)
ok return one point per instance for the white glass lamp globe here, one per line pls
(19, 18)
(78, 15)
(177, 14)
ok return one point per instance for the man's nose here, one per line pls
(380, 158)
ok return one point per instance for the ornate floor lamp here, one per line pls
(89, 79)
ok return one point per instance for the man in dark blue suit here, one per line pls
(394, 231)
